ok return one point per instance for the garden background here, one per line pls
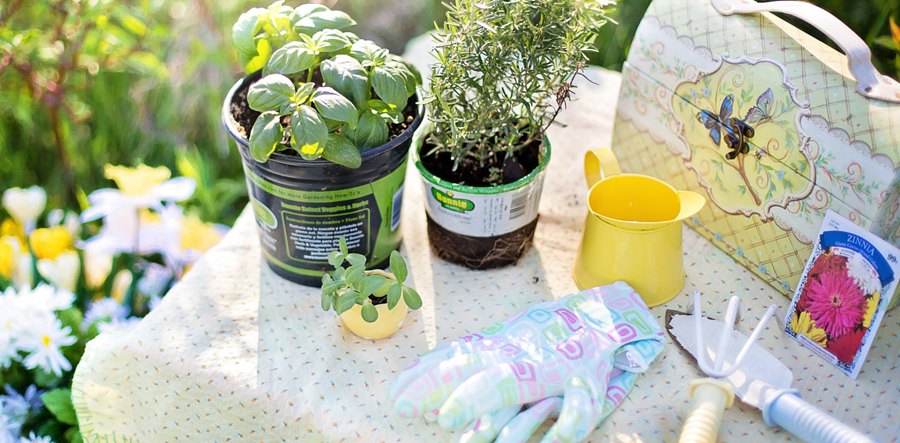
(91, 82)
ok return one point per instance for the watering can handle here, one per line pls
(599, 164)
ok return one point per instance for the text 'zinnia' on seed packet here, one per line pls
(843, 293)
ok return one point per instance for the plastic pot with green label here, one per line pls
(482, 227)
(303, 207)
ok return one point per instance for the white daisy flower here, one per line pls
(9, 349)
(43, 340)
(46, 297)
(35, 439)
(9, 428)
(155, 280)
(107, 309)
(863, 274)
(17, 408)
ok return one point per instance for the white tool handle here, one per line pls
(709, 398)
(871, 83)
(811, 424)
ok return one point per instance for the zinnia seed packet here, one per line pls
(843, 293)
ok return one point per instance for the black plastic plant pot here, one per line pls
(303, 207)
(482, 227)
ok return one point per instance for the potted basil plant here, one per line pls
(371, 303)
(504, 71)
(323, 122)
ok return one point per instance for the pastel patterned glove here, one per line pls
(576, 357)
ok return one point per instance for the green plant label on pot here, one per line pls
(299, 227)
(487, 212)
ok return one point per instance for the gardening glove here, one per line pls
(577, 356)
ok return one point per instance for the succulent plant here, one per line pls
(339, 113)
(351, 285)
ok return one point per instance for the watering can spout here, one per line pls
(691, 204)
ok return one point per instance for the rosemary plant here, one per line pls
(504, 71)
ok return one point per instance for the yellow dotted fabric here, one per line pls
(234, 353)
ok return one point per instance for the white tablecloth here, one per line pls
(235, 353)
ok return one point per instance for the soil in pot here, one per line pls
(481, 252)
(471, 173)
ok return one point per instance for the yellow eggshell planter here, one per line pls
(389, 320)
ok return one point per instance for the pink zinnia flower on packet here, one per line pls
(836, 303)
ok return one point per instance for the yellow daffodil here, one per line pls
(871, 306)
(137, 181)
(805, 325)
(23, 274)
(10, 249)
(97, 266)
(62, 271)
(198, 235)
(10, 228)
(48, 243)
(25, 205)
(121, 283)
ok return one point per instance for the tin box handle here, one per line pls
(870, 82)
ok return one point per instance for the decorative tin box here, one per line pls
(772, 125)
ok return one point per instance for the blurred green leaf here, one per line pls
(59, 403)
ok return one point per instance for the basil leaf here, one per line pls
(371, 131)
(390, 87)
(265, 136)
(368, 53)
(417, 76)
(291, 58)
(244, 31)
(394, 294)
(411, 297)
(256, 62)
(335, 106)
(346, 75)
(370, 284)
(342, 151)
(369, 313)
(304, 92)
(331, 40)
(308, 20)
(309, 132)
(270, 93)
(398, 266)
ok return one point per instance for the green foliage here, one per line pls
(504, 70)
(86, 83)
(324, 118)
(59, 402)
(351, 285)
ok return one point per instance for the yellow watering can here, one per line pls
(632, 231)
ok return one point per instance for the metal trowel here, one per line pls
(736, 365)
